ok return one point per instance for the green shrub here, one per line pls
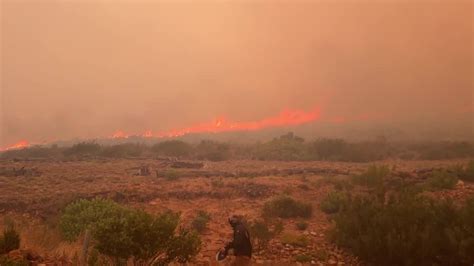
(294, 240)
(261, 234)
(287, 147)
(201, 220)
(373, 177)
(407, 230)
(333, 202)
(442, 179)
(121, 233)
(287, 207)
(85, 214)
(301, 225)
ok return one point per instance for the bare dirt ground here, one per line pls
(33, 193)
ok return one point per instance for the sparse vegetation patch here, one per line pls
(287, 207)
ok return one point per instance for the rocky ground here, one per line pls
(33, 193)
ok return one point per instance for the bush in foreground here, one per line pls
(287, 207)
(407, 230)
(121, 233)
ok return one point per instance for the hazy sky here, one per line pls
(85, 68)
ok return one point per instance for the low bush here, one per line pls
(201, 220)
(262, 231)
(333, 202)
(287, 207)
(85, 214)
(287, 147)
(442, 179)
(373, 177)
(407, 229)
(261, 234)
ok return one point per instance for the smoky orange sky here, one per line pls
(85, 68)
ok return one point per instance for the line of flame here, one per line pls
(284, 118)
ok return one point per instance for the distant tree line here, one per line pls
(287, 147)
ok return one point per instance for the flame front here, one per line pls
(285, 118)
(18, 145)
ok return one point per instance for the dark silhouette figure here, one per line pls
(240, 243)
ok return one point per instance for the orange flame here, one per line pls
(119, 135)
(18, 145)
(285, 118)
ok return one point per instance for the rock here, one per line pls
(460, 184)
(332, 262)
(259, 261)
(313, 262)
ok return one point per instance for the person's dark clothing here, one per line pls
(241, 243)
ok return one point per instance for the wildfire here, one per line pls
(119, 134)
(18, 145)
(284, 118)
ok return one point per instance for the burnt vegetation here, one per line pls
(287, 147)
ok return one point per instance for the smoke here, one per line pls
(87, 68)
